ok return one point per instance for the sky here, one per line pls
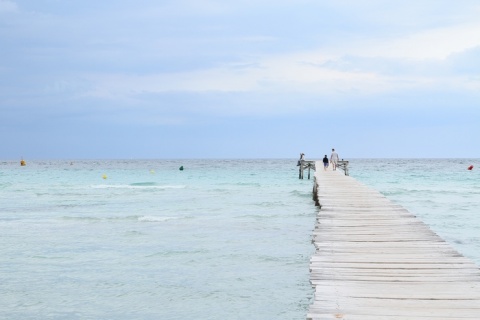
(155, 79)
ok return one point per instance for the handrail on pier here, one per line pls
(343, 164)
(310, 164)
(305, 164)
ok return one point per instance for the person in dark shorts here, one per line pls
(325, 163)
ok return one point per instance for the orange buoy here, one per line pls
(470, 168)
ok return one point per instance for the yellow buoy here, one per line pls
(152, 171)
(104, 176)
(23, 163)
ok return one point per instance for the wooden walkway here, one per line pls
(375, 260)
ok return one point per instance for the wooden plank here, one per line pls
(375, 260)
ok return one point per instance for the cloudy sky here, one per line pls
(239, 79)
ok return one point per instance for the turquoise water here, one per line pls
(222, 239)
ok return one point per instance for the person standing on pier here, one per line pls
(302, 157)
(334, 159)
(325, 163)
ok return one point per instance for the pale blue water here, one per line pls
(225, 239)
(220, 240)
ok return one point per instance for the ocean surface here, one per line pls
(221, 239)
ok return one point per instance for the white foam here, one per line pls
(154, 218)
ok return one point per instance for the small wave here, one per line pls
(273, 204)
(301, 194)
(49, 258)
(140, 185)
(247, 184)
(143, 184)
(154, 218)
(74, 218)
(134, 233)
(171, 253)
(258, 216)
(145, 218)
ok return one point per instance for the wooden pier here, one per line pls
(311, 164)
(374, 260)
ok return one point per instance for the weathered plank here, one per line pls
(375, 260)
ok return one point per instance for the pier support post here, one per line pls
(315, 192)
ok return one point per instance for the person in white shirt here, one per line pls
(334, 159)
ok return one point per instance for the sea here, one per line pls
(192, 239)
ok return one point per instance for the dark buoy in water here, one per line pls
(181, 168)
(470, 168)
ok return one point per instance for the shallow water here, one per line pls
(221, 239)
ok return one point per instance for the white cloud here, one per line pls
(308, 71)
(437, 43)
(297, 72)
(282, 73)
